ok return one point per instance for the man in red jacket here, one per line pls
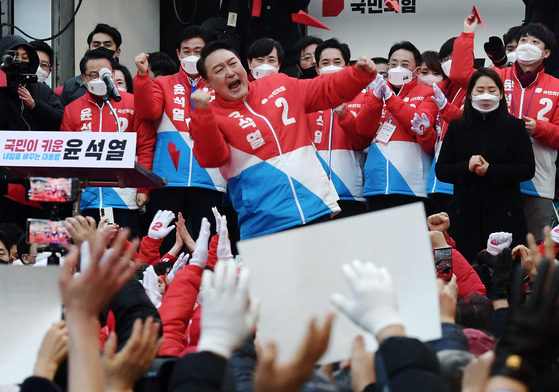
(257, 134)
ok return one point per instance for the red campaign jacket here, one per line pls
(540, 101)
(340, 148)
(177, 308)
(85, 115)
(149, 252)
(467, 279)
(263, 148)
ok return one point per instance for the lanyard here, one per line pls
(512, 98)
(192, 89)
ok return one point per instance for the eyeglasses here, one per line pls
(92, 75)
(44, 65)
(307, 57)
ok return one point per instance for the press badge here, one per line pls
(385, 133)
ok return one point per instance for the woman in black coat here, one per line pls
(486, 153)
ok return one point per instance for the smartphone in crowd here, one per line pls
(59, 190)
(443, 263)
(44, 231)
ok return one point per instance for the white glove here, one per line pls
(224, 244)
(439, 97)
(555, 234)
(379, 79)
(200, 254)
(217, 217)
(374, 306)
(151, 286)
(498, 241)
(382, 91)
(159, 226)
(420, 124)
(228, 315)
(179, 265)
(85, 256)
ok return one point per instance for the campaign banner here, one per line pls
(67, 149)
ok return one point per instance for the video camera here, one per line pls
(14, 73)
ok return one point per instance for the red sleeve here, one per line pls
(212, 251)
(149, 100)
(348, 124)
(451, 112)
(177, 308)
(430, 108)
(368, 119)
(462, 60)
(450, 241)
(210, 146)
(467, 279)
(149, 250)
(145, 144)
(330, 91)
(58, 90)
(547, 132)
(66, 125)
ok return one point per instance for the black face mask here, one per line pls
(308, 73)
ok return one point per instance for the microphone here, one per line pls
(112, 91)
(6, 61)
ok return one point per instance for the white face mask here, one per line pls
(329, 69)
(511, 57)
(446, 67)
(429, 80)
(485, 97)
(122, 89)
(527, 54)
(399, 76)
(188, 64)
(42, 75)
(97, 87)
(263, 70)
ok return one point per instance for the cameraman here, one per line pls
(29, 105)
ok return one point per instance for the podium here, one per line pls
(102, 159)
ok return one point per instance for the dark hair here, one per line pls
(447, 48)
(263, 47)
(541, 32)
(305, 41)
(333, 43)
(23, 247)
(431, 60)
(42, 46)
(6, 241)
(161, 64)
(192, 31)
(467, 116)
(512, 35)
(406, 45)
(209, 49)
(127, 77)
(105, 29)
(380, 60)
(475, 311)
(99, 53)
(162, 268)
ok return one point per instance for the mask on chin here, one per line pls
(188, 64)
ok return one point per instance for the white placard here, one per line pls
(67, 149)
(293, 274)
(29, 304)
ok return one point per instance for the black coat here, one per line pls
(483, 205)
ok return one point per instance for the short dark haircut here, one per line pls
(99, 53)
(380, 60)
(42, 46)
(22, 246)
(541, 32)
(263, 47)
(447, 48)
(6, 241)
(209, 49)
(467, 116)
(127, 77)
(161, 64)
(512, 35)
(431, 60)
(406, 45)
(192, 31)
(333, 43)
(305, 41)
(105, 29)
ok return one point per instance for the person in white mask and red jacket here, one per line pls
(264, 58)
(532, 96)
(191, 189)
(399, 157)
(486, 153)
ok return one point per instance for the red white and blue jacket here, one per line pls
(263, 148)
(540, 101)
(340, 152)
(166, 100)
(402, 165)
(84, 115)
